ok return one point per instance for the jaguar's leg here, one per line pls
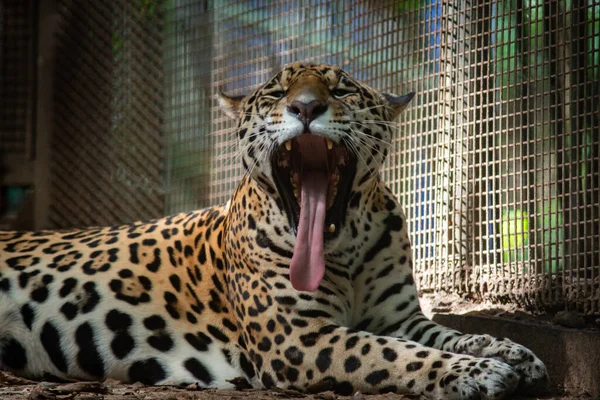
(347, 361)
(390, 306)
(531, 369)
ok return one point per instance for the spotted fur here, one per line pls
(206, 297)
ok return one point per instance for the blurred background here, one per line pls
(108, 115)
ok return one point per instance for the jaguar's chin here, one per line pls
(313, 172)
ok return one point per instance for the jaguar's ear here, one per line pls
(230, 104)
(398, 103)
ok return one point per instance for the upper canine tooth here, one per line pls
(329, 144)
(288, 145)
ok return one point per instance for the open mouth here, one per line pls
(314, 177)
(326, 164)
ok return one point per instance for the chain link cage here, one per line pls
(496, 161)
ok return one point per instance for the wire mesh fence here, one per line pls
(17, 102)
(106, 157)
(16, 76)
(497, 161)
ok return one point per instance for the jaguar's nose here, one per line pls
(307, 112)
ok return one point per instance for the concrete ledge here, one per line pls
(571, 356)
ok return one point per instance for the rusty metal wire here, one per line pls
(500, 159)
(497, 161)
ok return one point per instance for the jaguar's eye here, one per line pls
(339, 92)
(277, 94)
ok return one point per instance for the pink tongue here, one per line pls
(308, 262)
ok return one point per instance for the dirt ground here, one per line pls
(12, 387)
(15, 388)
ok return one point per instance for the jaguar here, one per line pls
(302, 281)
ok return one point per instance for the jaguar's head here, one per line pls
(309, 137)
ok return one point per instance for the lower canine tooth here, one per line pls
(288, 145)
(329, 144)
(331, 228)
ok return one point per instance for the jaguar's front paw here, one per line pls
(477, 378)
(531, 369)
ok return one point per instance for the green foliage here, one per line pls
(593, 44)
(117, 44)
(150, 8)
(410, 5)
(550, 224)
(515, 230)
(515, 235)
(522, 61)
(184, 162)
(507, 61)
(147, 10)
(587, 153)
